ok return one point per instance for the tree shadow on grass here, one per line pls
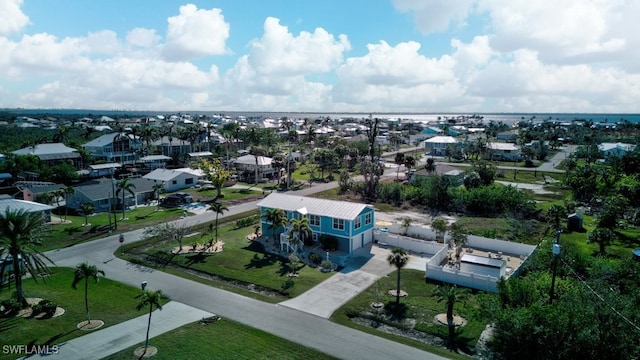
(197, 258)
(73, 230)
(8, 323)
(460, 343)
(54, 339)
(258, 261)
(395, 311)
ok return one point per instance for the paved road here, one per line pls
(284, 321)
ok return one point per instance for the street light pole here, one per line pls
(556, 254)
(109, 213)
(113, 193)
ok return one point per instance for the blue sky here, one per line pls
(322, 56)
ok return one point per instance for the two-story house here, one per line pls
(438, 145)
(114, 148)
(350, 223)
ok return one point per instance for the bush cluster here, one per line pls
(247, 221)
(45, 306)
(11, 306)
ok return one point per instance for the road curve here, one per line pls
(300, 327)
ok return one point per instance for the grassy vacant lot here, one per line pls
(68, 234)
(420, 306)
(109, 301)
(223, 339)
(241, 261)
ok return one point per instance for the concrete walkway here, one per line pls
(104, 342)
(361, 270)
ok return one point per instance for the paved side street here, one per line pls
(294, 319)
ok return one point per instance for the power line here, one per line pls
(601, 298)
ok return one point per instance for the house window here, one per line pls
(358, 222)
(314, 220)
(338, 224)
(174, 182)
(367, 219)
(188, 181)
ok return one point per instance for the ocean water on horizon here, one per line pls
(507, 118)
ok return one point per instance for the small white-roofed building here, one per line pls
(173, 180)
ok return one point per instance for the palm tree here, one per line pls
(219, 209)
(399, 259)
(430, 166)
(20, 233)
(301, 229)
(157, 189)
(602, 236)
(87, 209)
(68, 191)
(86, 272)
(459, 237)
(399, 160)
(555, 214)
(276, 218)
(57, 195)
(125, 186)
(409, 162)
(406, 224)
(151, 298)
(450, 295)
(440, 227)
(257, 151)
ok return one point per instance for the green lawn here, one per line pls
(109, 301)
(64, 235)
(241, 260)
(420, 305)
(223, 339)
(228, 194)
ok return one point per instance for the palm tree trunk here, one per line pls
(398, 289)
(17, 275)
(452, 327)
(146, 342)
(86, 299)
(216, 227)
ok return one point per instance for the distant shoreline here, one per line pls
(417, 116)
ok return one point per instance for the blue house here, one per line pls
(351, 223)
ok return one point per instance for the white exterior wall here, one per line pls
(454, 276)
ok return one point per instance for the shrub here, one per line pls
(11, 306)
(47, 306)
(247, 221)
(315, 258)
(328, 242)
(327, 265)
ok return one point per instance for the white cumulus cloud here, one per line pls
(435, 15)
(12, 19)
(195, 33)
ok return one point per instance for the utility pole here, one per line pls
(115, 214)
(556, 254)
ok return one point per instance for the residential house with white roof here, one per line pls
(7, 203)
(173, 179)
(173, 146)
(350, 223)
(103, 191)
(438, 145)
(615, 149)
(114, 147)
(246, 166)
(52, 154)
(503, 151)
